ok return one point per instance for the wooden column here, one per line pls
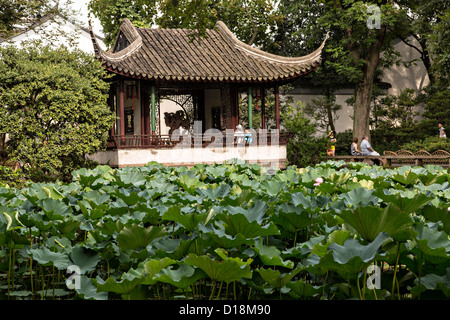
(112, 100)
(277, 106)
(153, 108)
(263, 108)
(250, 108)
(122, 109)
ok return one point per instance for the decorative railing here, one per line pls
(196, 140)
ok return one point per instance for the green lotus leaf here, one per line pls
(52, 193)
(216, 171)
(277, 279)
(302, 249)
(407, 178)
(125, 286)
(68, 227)
(433, 282)
(353, 257)
(437, 214)
(35, 193)
(88, 291)
(46, 257)
(190, 184)
(215, 193)
(429, 178)
(300, 289)
(129, 178)
(404, 203)
(153, 267)
(292, 218)
(136, 237)
(226, 271)
(272, 187)
(257, 212)
(55, 209)
(182, 277)
(130, 197)
(189, 220)
(12, 220)
(360, 197)
(222, 239)
(95, 198)
(434, 244)
(238, 223)
(271, 256)
(370, 221)
(172, 248)
(85, 259)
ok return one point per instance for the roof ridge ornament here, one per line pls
(131, 34)
(313, 56)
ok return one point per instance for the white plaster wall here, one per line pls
(56, 32)
(272, 156)
(401, 77)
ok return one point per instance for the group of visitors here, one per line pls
(366, 147)
(366, 150)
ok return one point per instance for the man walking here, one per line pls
(442, 133)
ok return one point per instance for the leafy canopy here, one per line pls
(55, 108)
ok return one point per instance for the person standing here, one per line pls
(442, 133)
(331, 143)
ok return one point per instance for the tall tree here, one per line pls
(13, 12)
(248, 19)
(359, 45)
(54, 107)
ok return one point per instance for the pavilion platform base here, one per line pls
(267, 156)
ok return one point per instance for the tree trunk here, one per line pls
(363, 90)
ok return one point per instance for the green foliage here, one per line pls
(137, 233)
(429, 144)
(13, 11)
(56, 110)
(12, 178)
(303, 148)
(249, 20)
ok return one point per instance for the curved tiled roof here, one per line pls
(172, 55)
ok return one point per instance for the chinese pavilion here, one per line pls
(204, 78)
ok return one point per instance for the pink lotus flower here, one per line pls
(318, 181)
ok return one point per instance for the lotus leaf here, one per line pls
(88, 291)
(434, 244)
(370, 221)
(182, 277)
(301, 289)
(277, 279)
(46, 257)
(271, 256)
(136, 237)
(85, 259)
(226, 271)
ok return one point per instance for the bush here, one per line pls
(429, 144)
(304, 148)
(12, 178)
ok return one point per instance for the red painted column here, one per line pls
(263, 108)
(122, 108)
(277, 107)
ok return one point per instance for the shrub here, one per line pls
(429, 144)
